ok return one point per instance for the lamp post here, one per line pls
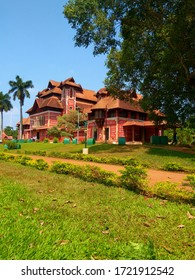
(78, 110)
(85, 138)
(85, 150)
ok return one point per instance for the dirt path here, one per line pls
(154, 176)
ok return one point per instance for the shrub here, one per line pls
(46, 140)
(12, 145)
(87, 173)
(24, 160)
(39, 164)
(133, 177)
(173, 166)
(191, 179)
(55, 140)
(6, 157)
(171, 191)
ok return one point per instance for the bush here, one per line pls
(12, 145)
(173, 166)
(191, 179)
(88, 173)
(133, 178)
(55, 140)
(170, 191)
(39, 164)
(24, 160)
(46, 140)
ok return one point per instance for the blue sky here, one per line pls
(37, 44)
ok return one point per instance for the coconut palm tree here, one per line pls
(5, 105)
(20, 91)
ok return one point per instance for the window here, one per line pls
(111, 114)
(71, 91)
(133, 115)
(41, 121)
(99, 114)
(123, 114)
(142, 116)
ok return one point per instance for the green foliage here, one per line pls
(54, 132)
(149, 47)
(93, 158)
(24, 160)
(185, 136)
(5, 106)
(87, 172)
(7, 157)
(173, 166)
(133, 177)
(12, 145)
(191, 179)
(69, 123)
(11, 132)
(19, 88)
(172, 192)
(40, 164)
(38, 153)
(55, 140)
(46, 140)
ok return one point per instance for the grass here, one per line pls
(53, 216)
(148, 155)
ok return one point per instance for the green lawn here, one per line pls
(51, 216)
(148, 155)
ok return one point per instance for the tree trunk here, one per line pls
(21, 121)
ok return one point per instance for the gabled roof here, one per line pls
(70, 82)
(52, 102)
(111, 103)
(53, 83)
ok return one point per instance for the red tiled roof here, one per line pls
(52, 102)
(55, 90)
(53, 83)
(70, 82)
(111, 103)
(5, 136)
(25, 121)
(87, 95)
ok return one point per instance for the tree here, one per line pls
(69, 123)
(5, 105)
(54, 132)
(20, 91)
(150, 47)
(11, 132)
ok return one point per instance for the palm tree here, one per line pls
(5, 105)
(20, 91)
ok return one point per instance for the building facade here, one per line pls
(57, 99)
(113, 119)
(108, 119)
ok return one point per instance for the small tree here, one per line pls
(69, 123)
(11, 132)
(54, 132)
(5, 105)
